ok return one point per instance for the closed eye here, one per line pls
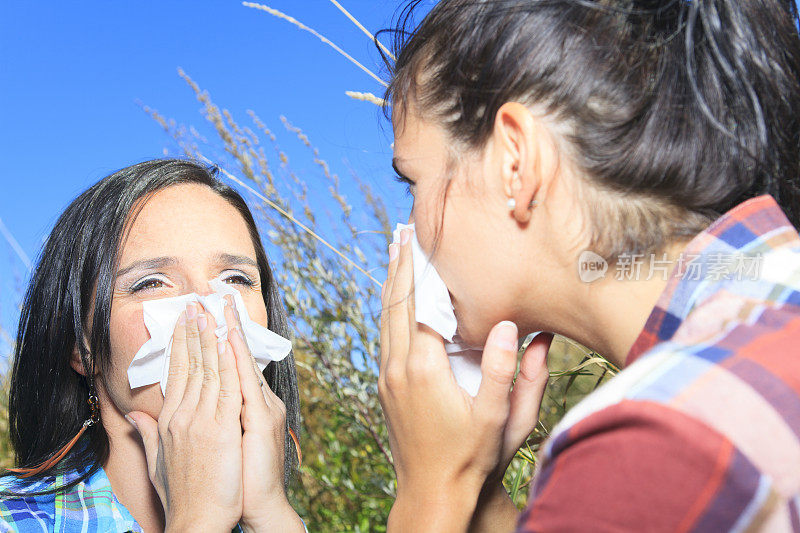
(410, 185)
(402, 178)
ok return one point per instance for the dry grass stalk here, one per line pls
(292, 20)
(366, 97)
(365, 30)
(288, 215)
(15, 245)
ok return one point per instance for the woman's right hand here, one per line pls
(194, 451)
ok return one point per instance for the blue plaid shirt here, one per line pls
(88, 507)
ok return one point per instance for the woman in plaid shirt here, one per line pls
(626, 174)
(214, 453)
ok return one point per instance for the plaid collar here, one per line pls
(90, 506)
(740, 239)
(93, 500)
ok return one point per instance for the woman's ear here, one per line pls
(527, 155)
(76, 363)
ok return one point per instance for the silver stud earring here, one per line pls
(512, 204)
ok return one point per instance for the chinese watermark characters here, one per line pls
(716, 266)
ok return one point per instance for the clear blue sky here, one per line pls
(71, 74)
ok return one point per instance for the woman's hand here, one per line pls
(265, 506)
(447, 446)
(194, 451)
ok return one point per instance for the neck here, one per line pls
(126, 468)
(614, 311)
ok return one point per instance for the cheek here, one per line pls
(256, 308)
(127, 334)
(471, 256)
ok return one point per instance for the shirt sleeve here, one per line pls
(641, 466)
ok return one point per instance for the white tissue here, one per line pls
(433, 307)
(151, 363)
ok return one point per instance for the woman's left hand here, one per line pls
(445, 444)
(265, 506)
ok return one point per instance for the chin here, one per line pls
(471, 336)
(468, 333)
(147, 399)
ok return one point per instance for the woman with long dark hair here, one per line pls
(215, 450)
(625, 173)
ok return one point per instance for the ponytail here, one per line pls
(749, 49)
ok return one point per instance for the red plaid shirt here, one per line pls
(701, 431)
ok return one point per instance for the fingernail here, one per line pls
(191, 311)
(405, 235)
(132, 421)
(504, 336)
(202, 322)
(393, 251)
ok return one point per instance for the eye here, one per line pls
(411, 187)
(147, 284)
(238, 278)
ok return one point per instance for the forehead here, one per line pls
(186, 220)
(418, 139)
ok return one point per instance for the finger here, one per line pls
(178, 369)
(230, 392)
(269, 396)
(427, 360)
(259, 374)
(410, 302)
(248, 378)
(209, 390)
(194, 380)
(394, 251)
(498, 365)
(391, 270)
(526, 397)
(402, 291)
(231, 301)
(148, 431)
(255, 409)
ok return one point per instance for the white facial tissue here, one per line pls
(433, 307)
(151, 362)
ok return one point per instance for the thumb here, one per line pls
(498, 364)
(526, 397)
(148, 430)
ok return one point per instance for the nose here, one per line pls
(198, 284)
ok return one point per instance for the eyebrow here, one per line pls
(233, 259)
(143, 264)
(161, 262)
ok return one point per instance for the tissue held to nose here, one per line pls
(151, 363)
(433, 307)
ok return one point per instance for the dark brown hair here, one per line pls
(48, 399)
(673, 110)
